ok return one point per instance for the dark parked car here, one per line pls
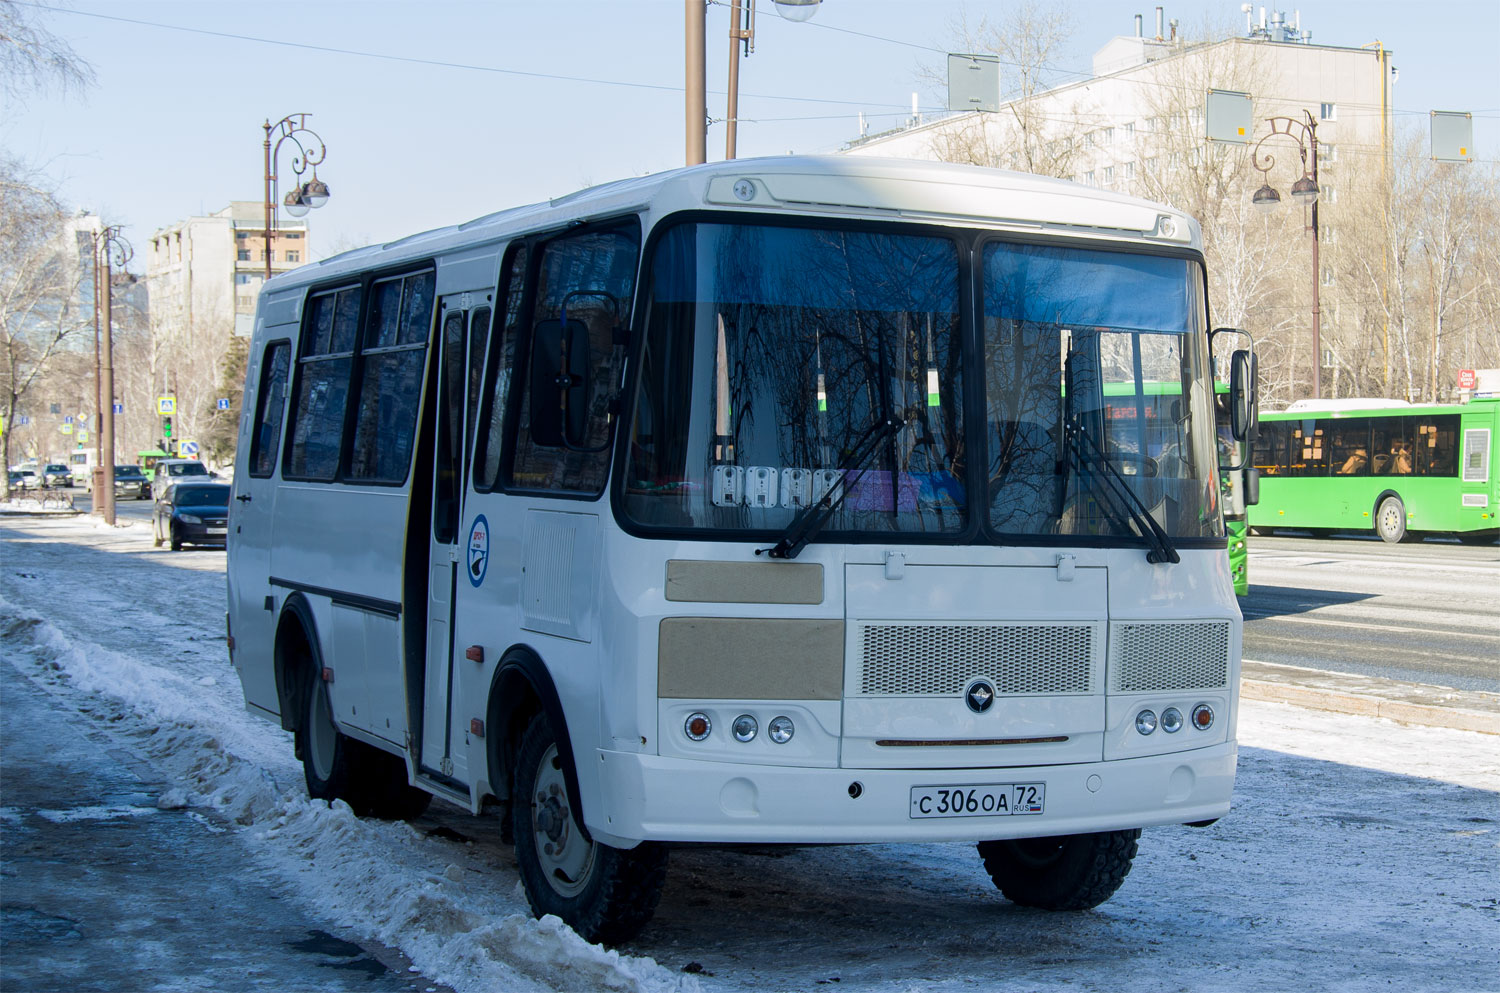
(131, 481)
(195, 513)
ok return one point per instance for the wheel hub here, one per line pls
(566, 858)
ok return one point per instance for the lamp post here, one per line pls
(309, 155)
(741, 32)
(1305, 192)
(112, 250)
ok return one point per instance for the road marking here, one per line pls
(1304, 619)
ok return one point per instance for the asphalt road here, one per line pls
(1426, 612)
(126, 508)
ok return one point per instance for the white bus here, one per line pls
(643, 516)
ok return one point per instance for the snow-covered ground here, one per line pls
(1360, 854)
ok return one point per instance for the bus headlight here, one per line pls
(697, 726)
(745, 728)
(1145, 722)
(1171, 720)
(781, 730)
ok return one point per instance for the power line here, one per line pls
(414, 60)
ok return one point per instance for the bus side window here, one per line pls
(1437, 446)
(479, 333)
(1349, 445)
(494, 397)
(1309, 455)
(391, 364)
(322, 390)
(270, 404)
(589, 278)
(1269, 451)
(1390, 442)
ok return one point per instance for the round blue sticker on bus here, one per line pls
(479, 550)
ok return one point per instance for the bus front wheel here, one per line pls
(1390, 520)
(1073, 872)
(605, 894)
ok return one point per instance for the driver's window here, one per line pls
(588, 278)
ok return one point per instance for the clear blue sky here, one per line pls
(173, 127)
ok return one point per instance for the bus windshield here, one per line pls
(1096, 393)
(774, 354)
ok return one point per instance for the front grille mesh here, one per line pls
(930, 659)
(1190, 655)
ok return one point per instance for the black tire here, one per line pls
(605, 894)
(1390, 520)
(1072, 872)
(336, 767)
(176, 538)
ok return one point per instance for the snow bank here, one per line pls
(450, 909)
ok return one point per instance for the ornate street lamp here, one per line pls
(1305, 192)
(310, 152)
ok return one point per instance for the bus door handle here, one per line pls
(243, 498)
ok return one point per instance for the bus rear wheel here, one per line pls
(1072, 872)
(605, 894)
(1390, 520)
(336, 767)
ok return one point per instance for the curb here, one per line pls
(1455, 718)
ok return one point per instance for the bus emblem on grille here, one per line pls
(979, 696)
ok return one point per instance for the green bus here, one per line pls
(1398, 469)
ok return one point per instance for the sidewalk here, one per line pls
(113, 883)
(1346, 693)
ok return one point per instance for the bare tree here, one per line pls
(1027, 134)
(32, 59)
(40, 276)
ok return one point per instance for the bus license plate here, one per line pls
(983, 800)
(217, 530)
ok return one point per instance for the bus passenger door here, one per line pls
(251, 520)
(446, 558)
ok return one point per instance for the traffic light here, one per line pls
(166, 434)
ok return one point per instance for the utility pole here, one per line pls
(695, 85)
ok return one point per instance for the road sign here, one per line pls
(23, 419)
(82, 436)
(223, 403)
(166, 406)
(68, 419)
(1466, 379)
(67, 429)
(188, 449)
(119, 408)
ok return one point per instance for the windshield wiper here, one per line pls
(806, 525)
(1119, 494)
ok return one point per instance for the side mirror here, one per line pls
(1252, 486)
(560, 366)
(1244, 406)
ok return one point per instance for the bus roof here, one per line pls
(1354, 407)
(819, 185)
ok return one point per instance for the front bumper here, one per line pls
(201, 534)
(727, 803)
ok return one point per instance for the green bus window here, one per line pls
(1349, 446)
(1390, 445)
(1437, 445)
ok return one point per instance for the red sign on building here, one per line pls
(1466, 379)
